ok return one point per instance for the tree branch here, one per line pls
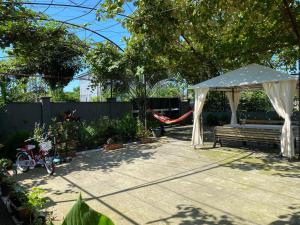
(292, 20)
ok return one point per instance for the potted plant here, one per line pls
(25, 213)
(145, 137)
(29, 209)
(143, 134)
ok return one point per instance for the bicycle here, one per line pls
(27, 159)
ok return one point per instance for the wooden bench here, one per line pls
(258, 135)
(267, 136)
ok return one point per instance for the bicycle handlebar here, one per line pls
(29, 139)
(44, 137)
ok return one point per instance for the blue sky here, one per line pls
(111, 28)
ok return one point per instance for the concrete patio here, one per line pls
(168, 182)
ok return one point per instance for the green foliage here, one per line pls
(88, 135)
(251, 101)
(13, 90)
(215, 102)
(59, 95)
(214, 120)
(38, 132)
(255, 101)
(133, 72)
(173, 87)
(127, 127)
(141, 131)
(92, 134)
(82, 214)
(107, 67)
(73, 95)
(34, 198)
(5, 164)
(57, 56)
(201, 39)
(16, 24)
(29, 200)
(66, 134)
(38, 48)
(12, 142)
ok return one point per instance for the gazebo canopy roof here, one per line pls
(251, 76)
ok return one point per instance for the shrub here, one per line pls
(38, 132)
(141, 131)
(105, 128)
(126, 128)
(87, 135)
(224, 119)
(14, 140)
(34, 198)
(153, 123)
(212, 120)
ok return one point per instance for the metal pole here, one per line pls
(232, 93)
(145, 102)
(298, 102)
(111, 94)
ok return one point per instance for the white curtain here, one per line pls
(197, 136)
(234, 100)
(281, 95)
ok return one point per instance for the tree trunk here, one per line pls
(3, 90)
(293, 22)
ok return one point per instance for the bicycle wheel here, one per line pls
(23, 162)
(49, 165)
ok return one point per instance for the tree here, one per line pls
(201, 39)
(73, 95)
(107, 68)
(16, 24)
(132, 72)
(57, 57)
(12, 89)
(173, 87)
(45, 49)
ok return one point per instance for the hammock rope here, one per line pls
(167, 120)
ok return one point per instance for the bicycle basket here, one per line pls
(45, 146)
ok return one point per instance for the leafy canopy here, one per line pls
(39, 47)
(200, 39)
(107, 67)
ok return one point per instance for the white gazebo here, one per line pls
(279, 87)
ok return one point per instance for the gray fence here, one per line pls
(23, 116)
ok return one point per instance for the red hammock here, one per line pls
(167, 120)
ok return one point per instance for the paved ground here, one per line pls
(169, 182)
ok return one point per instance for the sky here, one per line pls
(110, 28)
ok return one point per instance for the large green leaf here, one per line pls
(82, 214)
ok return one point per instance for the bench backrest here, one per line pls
(270, 122)
(247, 133)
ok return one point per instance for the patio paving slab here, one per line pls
(169, 182)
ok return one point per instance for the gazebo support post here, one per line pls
(232, 93)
